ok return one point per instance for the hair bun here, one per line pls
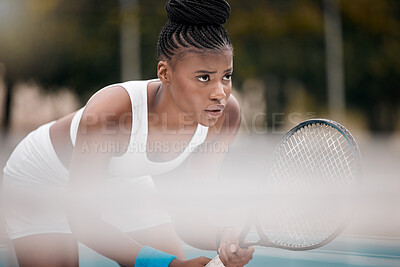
(198, 12)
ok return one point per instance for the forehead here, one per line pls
(192, 61)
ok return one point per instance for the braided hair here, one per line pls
(196, 25)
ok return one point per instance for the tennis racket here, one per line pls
(307, 197)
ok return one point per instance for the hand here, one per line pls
(230, 253)
(196, 262)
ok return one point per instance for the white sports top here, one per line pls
(134, 162)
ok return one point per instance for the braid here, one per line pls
(178, 38)
(188, 36)
(161, 45)
(198, 11)
(215, 35)
(202, 38)
(194, 23)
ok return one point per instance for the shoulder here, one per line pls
(111, 101)
(108, 108)
(232, 119)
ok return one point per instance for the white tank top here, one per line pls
(134, 162)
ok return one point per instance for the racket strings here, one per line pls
(316, 154)
(298, 230)
(315, 159)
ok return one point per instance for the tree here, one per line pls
(76, 44)
(61, 43)
(372, 60)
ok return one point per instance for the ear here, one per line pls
(164, 72)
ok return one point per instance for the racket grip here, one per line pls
(216, 262)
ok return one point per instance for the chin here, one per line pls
(208, 122)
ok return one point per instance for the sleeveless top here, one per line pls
(134, 162)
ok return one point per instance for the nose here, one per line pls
(218, 92)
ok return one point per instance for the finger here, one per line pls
(233, 247)
(244, 252)
(222, 254)
(252, 249)
(250, 253)
(232, 238)
(232, 256)
(244, 255)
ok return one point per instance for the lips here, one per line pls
(215, 111)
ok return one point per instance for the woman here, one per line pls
(86, 176)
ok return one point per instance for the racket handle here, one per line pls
(216, 262)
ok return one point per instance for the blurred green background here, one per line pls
(294, 59)
(281, 46)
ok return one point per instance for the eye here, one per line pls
(227, 77)
(204, 78)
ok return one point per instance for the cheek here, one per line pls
(228, 91)
(195, 99)
(189, 96)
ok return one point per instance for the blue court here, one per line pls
(343, 251)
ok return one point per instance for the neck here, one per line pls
(166, 114)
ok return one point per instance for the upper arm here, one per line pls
(233, 120)
(98, 133)
(103, 124)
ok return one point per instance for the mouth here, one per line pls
(215, 111)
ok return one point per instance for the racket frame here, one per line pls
(253, 219)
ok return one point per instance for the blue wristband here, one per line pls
(152, 257)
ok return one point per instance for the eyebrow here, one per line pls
(211, 72)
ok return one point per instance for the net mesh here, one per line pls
(312, 173)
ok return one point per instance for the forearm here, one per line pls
(196, 230)
(104, 238)
(85, 204)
